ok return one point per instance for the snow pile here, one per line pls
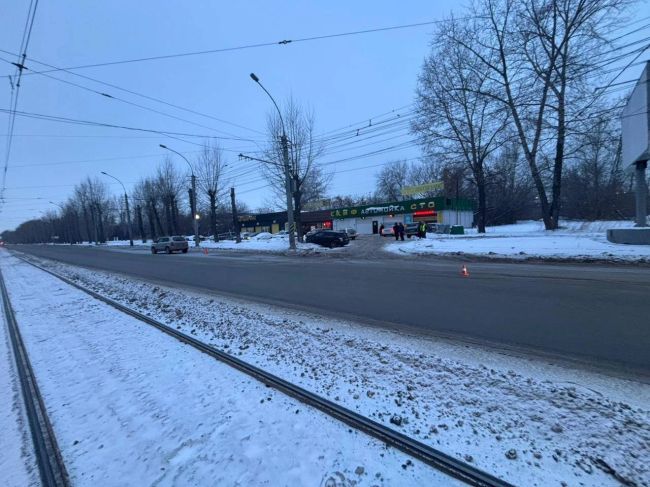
(132, 406)
(519, 418)
(574, 240)
(266, 243)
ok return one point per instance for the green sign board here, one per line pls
(394, 208)
(422, 188)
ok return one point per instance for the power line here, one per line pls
(15, 88)
(135, 93)
(283, 42)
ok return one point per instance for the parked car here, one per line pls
(352, 233)
(411, 229)
(387, 231)
(328, 238)
(168, 245)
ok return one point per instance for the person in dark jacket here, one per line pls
(396, 230)
(400, 226)
(381, 230)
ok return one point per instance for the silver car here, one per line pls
(352, 233)
(169, 245)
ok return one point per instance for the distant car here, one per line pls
(168, 245)
(352, 233)
(328, 238)
(411, 229)
(387, 231)
(248, 235)
(263, 236)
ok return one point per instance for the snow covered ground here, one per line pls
(132, 406)
(525, 240)
(17, 461)
(524, 419)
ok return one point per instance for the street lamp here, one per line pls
(126, 201)
(287, 172)
(195, 220)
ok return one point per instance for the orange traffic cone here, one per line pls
(464, 272)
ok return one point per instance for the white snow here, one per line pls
(574, 240)
(17, 461)
(564, 423)
(132, 406)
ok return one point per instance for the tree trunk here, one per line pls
(213, 214)
(100, 221)
(138, 213)
(482, 206)
(88, 222)
(152, 221)
(168, 216)
(297, 208)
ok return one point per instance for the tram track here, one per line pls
(52, 470)
(417, 450)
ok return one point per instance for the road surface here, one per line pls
(592, 313)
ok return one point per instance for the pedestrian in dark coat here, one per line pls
(423, 230)
(381, 230)
(401, 231)
(396, 231)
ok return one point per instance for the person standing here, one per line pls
(396, 230)
(423, 230)
(401, 231)
(381, 230)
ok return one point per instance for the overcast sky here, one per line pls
(347, 81)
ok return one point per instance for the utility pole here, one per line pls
(126, 201)
(195, 216)
(235, 221)
(287, 170)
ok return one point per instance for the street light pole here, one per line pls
(287, 172)
(126, 201)
(195, 220)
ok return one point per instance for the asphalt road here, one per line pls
(593, 313)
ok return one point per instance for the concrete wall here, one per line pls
(633, 236)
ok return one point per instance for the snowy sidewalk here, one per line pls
(132, 406)
(522, 419)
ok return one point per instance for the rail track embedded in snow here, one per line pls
(51, 468)
(418, 450)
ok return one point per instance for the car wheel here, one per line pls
(168, 250)
(153, 250)
(333, 245)
(185, 251)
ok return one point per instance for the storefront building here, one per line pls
(368, 219)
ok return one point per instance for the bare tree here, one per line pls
(391, 179)
(536, 53)
(455, 120)
(169, 184)
(210, 179)
(309, 181)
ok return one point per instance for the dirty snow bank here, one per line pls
(521, 419)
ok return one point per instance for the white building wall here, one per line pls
(453, 217)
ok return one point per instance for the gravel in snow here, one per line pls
(132, 406)
(522, 419)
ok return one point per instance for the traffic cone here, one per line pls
(464, 272)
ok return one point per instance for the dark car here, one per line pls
(169, 245)
(328, 238)
(411, 229)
